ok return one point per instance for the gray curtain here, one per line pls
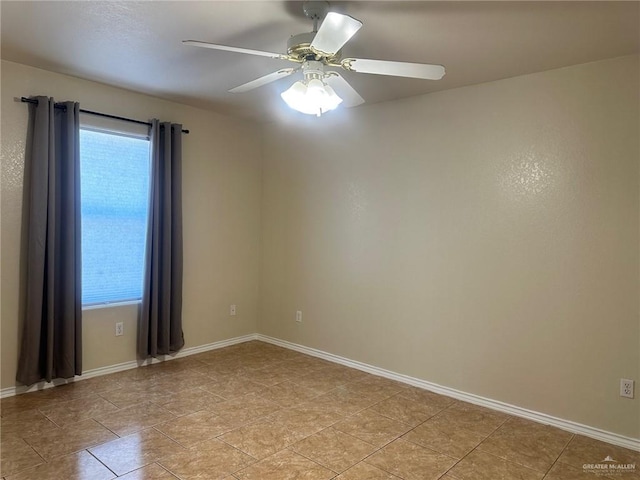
(160, 322)
(51, 345)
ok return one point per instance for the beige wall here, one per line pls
(484, 238)
(221, 194)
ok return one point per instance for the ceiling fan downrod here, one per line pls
(315, 11)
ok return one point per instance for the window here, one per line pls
(114, 178)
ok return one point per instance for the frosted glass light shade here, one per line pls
(314, 98)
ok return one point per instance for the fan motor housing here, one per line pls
(299, 47)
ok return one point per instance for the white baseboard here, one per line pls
(609, 437)
(96, 372)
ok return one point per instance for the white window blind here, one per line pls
(114, 176)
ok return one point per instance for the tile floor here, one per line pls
(255, 411)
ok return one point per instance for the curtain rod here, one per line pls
(98, 114)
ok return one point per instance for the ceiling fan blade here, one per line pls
(335, 31)
(258, 82)
(227, 48)
(396, 69)
(350, 98)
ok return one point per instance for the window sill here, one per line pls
(97, 306)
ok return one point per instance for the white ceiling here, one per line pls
(137, 45)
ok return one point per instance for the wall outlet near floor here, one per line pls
(119, 329)
(299, 316)
(626, 388)
(232, 310)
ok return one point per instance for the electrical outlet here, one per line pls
(232, 310)
(119, 329)
(299, 316)
(626, 388)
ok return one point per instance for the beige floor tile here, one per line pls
(65, 392)
(334, 449)
(255, 361)
(307, 362)
(288, 394)
(176, 382)
(307, 417)
(280, 354)
(376, 388)
(141, 373)
(25, 423)
(372, 427)
(43, 398)
(364, 471)
(196, 427)
(340, 372)
(221, 357)
(179, 365)
(99, 384)
(425, 396)
(189, 401)
(25, 402)
(216, 374)
(296, 373)
(285, 465)
(135, 418)
(473, 418)
(344, 402)
(404, 410)
(214, 457)
(324, 412)
(81, 388)
(444, 436)
(245, 409)
(77, 466)
(378, 381)
(134, 451)
(233, 388)
(530, 444)
(266, 363)
(73, 411)
(150, 472)
(410, 461)
(73, 438)
(298, 421)
(135, 394)
(483, 466)
(583, 450)
(319, 383)
(267, 376)
(261, 439)
(17, 455)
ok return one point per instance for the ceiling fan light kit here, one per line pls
(316, 93)
(311, 95)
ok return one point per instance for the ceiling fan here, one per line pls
(318, 53)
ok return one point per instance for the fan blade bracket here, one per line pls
(347, 64)
(328, 57)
